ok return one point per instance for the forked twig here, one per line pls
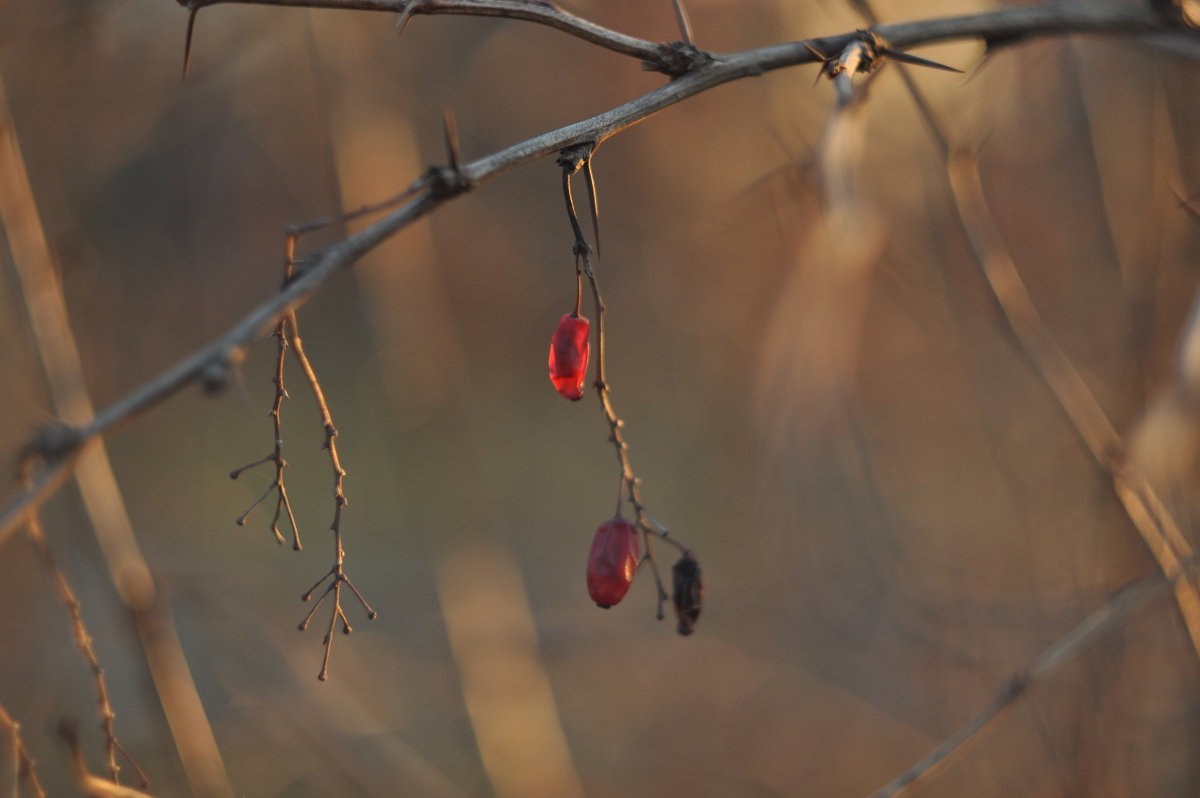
(336, 575)
(283, 504)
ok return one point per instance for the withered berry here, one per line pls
(569, 349)
(688, 592)
(612, 561)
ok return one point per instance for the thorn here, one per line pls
(908, 58)
(685, 25)
(187, 43)
(450, 130)
(823, 59)
(405, 17)
(593, 201)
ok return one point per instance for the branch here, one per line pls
(210, 366)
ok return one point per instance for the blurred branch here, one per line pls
(24, 769)
(1111, 614)
(210, 365)
(102, 500)
(83, 641)
(1149, 515)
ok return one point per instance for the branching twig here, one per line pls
(24, 768)
(210, 364)
(336, 575)
(282, 502)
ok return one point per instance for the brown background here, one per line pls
(878, 561)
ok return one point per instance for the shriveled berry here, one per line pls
(612, 561)
(688, 592)
(569, 349)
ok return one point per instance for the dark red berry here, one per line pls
(612, 561)
(688, 592)
(569, 349)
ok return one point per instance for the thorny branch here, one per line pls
(572, 161)
(210, 365)
(24, 768)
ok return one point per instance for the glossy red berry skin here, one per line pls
(569, 350)
(612, 561)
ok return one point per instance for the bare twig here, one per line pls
(282, 503)
(438, 186)
(1115, 611)
(336, 575)
(24, 768)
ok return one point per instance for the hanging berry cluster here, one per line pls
(616, 552)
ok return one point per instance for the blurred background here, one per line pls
(882, 549)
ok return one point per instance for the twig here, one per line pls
(282, 502)
(1116, 610)
(213, 361)
(571, 162)
(24, 768)
(336, 575)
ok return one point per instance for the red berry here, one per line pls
(569, 356)
(612, 561)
